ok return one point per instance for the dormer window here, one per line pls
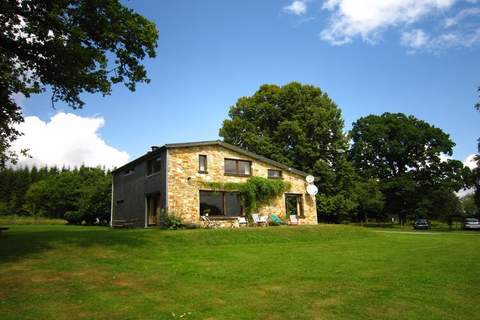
(202, 163)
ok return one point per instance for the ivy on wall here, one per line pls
(255, 192)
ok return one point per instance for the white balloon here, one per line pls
(309, 179)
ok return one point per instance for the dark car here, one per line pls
(421, 224)
(471, 224)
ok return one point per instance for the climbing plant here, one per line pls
(254, 193)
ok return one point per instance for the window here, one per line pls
(202, 163)
(128, 172)
(238, 167)
(274, 174)
(294, 205)
(154, 165)
(219, 203)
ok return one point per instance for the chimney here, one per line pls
(154, 148)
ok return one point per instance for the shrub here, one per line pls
(170, 221)
(74, 217)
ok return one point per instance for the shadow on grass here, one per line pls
(21, 241)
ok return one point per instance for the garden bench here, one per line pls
(3, 229)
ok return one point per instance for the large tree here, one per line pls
(70, 47)
(476, 171)
(300, 126)
(295, 124)
(404, 154)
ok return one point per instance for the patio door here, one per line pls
(153, 208)
(293, 205)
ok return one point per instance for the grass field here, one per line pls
(323, 272)
(14, 219)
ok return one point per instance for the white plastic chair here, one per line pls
(293, 220)
(242, 221)
(259, 220)
(264, 219)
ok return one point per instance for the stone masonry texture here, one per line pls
(184, 182)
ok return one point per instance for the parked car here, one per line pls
(421, 224)
(471, 224)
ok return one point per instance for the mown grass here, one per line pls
(321, 272)
(16, 219)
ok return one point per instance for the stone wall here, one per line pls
(184, 182)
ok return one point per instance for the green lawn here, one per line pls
(324, 272)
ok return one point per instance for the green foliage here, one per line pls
(14, 184)
(391, 144)
(476, 178)
(170, 221)
(71, 47)
(300, 126)
(258, 191)
(255, 192)
(94, 202)
(370, 200)
(403, 154)
(79, 195)
(470, 208)
(73, 217)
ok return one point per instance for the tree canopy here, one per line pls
(404, 154)
(300, 126)
(295, 124)
(71, 47)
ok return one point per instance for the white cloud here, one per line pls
(462, 15)
(297, 7)
(470, 161)
(414, 39)
(424, 25)
(66, 140)
(367, 18)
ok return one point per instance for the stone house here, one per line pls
(169, 179)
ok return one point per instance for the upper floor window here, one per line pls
(238, 167)
(128, 172)
(202, 163)
(154, 165)
(274, 174)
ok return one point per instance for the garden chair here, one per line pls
(264, 220)
(259, 220)
(208, 223)
(242, 221)
(293, 220)
(276, 219)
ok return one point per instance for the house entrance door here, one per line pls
(153, 208)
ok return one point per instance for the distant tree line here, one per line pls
(79, 195)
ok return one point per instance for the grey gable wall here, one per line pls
(130, 191)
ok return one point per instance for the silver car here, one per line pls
(471, 224)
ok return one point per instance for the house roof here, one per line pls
(213, 143)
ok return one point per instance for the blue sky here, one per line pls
(418, 57)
